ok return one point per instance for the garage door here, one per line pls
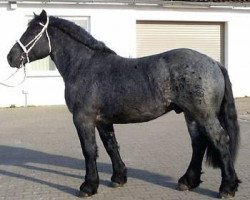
(159, 36)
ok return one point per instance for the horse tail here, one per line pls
(228, 120)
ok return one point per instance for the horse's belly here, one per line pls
(134, 114)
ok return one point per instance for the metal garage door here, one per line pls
(159, 36)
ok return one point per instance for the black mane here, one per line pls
(79, 34)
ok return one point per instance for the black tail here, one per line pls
(228, 120)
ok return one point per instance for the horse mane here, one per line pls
(79, 34)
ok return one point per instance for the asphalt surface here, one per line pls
(41, 158)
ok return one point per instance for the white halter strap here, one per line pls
(33, 42)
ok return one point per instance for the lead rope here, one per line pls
(11, 86)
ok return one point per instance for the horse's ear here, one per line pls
(43, 16)
(35, 15)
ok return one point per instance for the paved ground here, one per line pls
(40, 157)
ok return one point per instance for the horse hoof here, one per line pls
(183, 187)
(83, 194)
(117, 185)
(223, 195)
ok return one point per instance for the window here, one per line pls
(46, 67)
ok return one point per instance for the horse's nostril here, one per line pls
(9, 58)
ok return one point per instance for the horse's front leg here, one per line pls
(86, 131)
(107, 135)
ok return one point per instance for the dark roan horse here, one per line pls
(102, 89)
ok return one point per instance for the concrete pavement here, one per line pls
(41, 158)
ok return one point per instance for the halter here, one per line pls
(26, 52)
(33, 42)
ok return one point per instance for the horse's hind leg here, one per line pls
(191, 179)
(220, 141)
(107, 136)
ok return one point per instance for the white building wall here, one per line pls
(116, 26)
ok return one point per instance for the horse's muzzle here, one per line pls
(15, 60)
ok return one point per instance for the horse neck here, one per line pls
(67, 53)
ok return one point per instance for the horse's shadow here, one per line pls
(23, 157)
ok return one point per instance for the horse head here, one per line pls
(34, 44)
